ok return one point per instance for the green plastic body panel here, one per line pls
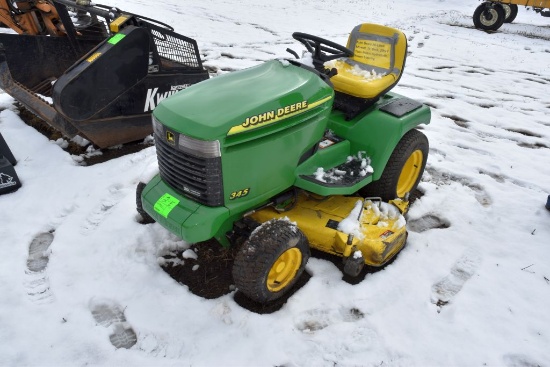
(208, 110)
(373, 131)
(265, 118)
(190, 221)
(327, 158)
(377, 132)
(260, 159)
(269, 120)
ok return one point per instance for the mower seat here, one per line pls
(376, 49)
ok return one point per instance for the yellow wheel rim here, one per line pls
(284, 269)
(409, 173)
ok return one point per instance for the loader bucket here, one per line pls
(103, 82)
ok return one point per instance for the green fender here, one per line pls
(377, 132)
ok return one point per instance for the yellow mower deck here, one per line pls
(382, 233)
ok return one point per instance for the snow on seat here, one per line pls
(379, 54)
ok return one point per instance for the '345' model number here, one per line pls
(239, 194)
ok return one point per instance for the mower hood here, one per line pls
(233, 102)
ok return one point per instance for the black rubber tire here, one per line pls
(489, 16)
(510, 12)
(145, 218)
(387, 186)
(258, 255)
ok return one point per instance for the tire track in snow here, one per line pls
(500, 178)
(520, 360)
(98, 215)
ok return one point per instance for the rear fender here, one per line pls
(378, 130)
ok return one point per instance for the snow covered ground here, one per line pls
(471, 288)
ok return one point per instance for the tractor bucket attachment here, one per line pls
(102, 79)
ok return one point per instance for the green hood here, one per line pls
(208, 110)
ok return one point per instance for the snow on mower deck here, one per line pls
(341, 225)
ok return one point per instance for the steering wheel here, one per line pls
(322, 49)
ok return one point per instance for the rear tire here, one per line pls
(271, 261)
(403, 170)
(489, 16)
(510, 12)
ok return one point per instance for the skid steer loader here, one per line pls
(92, 70)
(293, 154)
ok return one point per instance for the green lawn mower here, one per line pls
(293, 154)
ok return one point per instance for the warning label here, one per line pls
(373, 53)
(6, 181)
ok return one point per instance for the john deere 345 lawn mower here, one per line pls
(294, 155)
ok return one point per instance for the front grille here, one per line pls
(197, 178)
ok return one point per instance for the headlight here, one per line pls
(196, 147)
(157, 127)
(202, 148)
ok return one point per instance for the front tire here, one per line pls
(145, 218)
(403, 170)
(271, 261)
(489, 16)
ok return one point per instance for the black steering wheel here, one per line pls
(322, 49)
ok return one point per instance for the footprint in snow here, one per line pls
(109, 314)
(447, 288)
(316, 319)
(480, 194)
(444, 178)
(422, 43)
(161, 345)
(427, 222)
(37, 283)
(95, 218)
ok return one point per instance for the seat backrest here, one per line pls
(382, 49)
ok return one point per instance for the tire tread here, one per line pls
(256, 256)
(386, 186)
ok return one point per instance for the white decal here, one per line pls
(6, 181)
(154, 97)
